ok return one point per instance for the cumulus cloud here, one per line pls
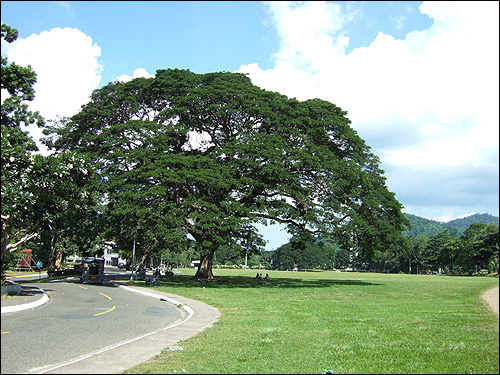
(428, 101)
(67, 66)
(138, 73)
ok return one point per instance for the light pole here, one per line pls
(133, 256)
(133, 262)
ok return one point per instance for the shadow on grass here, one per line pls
(249, 282)
(226, 282)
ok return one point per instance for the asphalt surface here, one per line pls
(193, 317)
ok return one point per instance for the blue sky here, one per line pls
(419, 79)
(203, 36)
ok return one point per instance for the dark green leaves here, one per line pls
(210, 154)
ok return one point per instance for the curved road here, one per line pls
(78, 320)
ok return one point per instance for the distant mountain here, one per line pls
(423, 227)
(429, 228)
(461, 225)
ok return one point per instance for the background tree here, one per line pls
(479, 247)
(17, 146)
(342, 258)
(36, 189)
(208, 155)
(439, 250)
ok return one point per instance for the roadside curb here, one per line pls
(26, 306)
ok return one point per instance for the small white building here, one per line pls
(111, 258)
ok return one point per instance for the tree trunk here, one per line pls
(144, 259)
(59, 260)
(205, 268)
(54, 239)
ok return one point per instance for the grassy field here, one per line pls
(304, 322)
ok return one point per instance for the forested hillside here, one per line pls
(461, 225)
(430, 228)
(423, 227)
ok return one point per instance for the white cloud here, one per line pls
(138, 73)
(307, 31)
(67, 67)
(440, 85)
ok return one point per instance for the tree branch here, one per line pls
(14, 246)
(285, 221)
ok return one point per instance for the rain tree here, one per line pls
(203, 157)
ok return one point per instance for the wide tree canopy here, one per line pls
(203, 157)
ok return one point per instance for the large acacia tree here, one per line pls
(206, 156)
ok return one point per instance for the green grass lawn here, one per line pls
(304, 322)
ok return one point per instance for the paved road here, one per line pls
(78, 320)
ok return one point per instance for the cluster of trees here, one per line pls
(476, 250)
(473, 251)
(309, 255)
(39, 193)
(463, 246)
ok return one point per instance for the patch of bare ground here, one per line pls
(491, 297)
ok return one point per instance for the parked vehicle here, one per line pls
(92, 270)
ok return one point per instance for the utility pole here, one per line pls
(133, 256)
(132, 278)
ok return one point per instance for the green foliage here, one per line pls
(461, 225)
(309, 255)
(445, 252)
(429, 228)
(206, 156)
(479, 246)
(423, 227)
(18, 81)
(17, 146)
(36, 190)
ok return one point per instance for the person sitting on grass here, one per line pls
(267, 277)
